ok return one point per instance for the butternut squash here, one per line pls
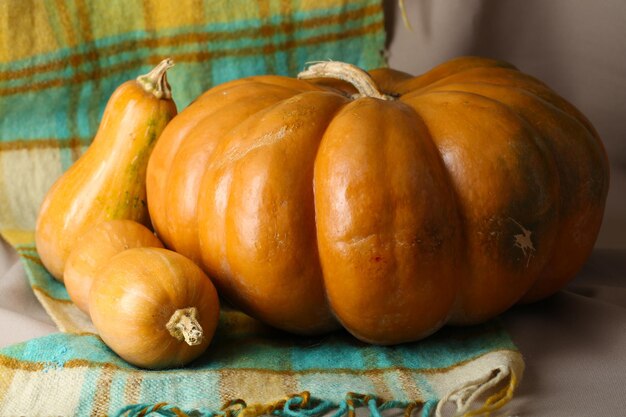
(108, 180)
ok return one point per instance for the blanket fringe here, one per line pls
(297, 405)
(467, 396)
(464, 399)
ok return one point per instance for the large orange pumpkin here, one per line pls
(389, 203)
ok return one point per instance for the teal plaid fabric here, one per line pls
(63, 60)
(253, 368)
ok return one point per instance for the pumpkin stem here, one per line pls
(360, 79)
(184, 326)
(155, 82)
(405, 17)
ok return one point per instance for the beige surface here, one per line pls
(574, 345)
(21, 315)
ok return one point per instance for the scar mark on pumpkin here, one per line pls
(524, 242)
(266, 139)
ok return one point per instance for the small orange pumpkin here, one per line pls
(153, 307)
(95, 248)
(392, 203)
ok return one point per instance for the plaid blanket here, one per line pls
(61, 60)
(252, 370)
(59, 63)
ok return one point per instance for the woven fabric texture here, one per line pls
(60, 62)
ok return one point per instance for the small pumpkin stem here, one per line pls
(360, 79)
(184, 326)
(155, 82)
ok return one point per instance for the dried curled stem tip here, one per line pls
(155, 81)
(184, 326)
(352, 74)
(405, 17)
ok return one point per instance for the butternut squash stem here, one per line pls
(155, 82)
(352, 74)
(184, 326)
